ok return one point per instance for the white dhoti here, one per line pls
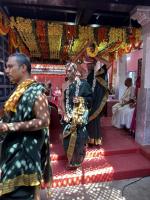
(122, 115)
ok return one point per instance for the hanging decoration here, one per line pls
(13, 39)
(25, 30)
(120, 42)
(70, 33)
(47, 41)
(135, 38)
(86, 33)
(91, 53)
(42, 38)
(55, 32)
(117, 34)
(4, 24)
(22, 47)
(103, 34)
(5, 29)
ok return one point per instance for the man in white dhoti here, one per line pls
(123, 111)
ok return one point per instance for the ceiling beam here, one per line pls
(127, 2)
(58, 3)
(74, 3)
(78, 17)
(110, 14)
(24, 6)
(55, 9)
(86, 16)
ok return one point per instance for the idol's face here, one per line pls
(13, 70)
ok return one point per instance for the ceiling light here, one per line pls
(70, 23)
(95, 25)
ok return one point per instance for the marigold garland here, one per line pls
(122, 40)
(55, 32)
(117, 34)
(11, 103)
(70, 31)
(90, 53)
(86, 33)
(42, 38)
(25, 29)
(13, 39)
(22, 47)
(4, 26)
(102, 34)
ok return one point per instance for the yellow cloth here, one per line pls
(11, 103)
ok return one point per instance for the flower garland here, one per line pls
(117, 34)
(11, 103)
(85, 34)
(55, 32)
(13, 39)
(90, 53)
(71, 32)
(102, 34)
(42, 38)
(67, 107)
(25, 29)
(22, 47)
(4, 25)
(28, 38)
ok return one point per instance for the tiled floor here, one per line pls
(131, 189)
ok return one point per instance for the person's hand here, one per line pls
(66, 118)
(75, 100)
(3, 128)
(124, 103)
(132, 105)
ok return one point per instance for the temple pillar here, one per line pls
(142, 135)
(121, 76)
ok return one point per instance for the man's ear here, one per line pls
(24, 68)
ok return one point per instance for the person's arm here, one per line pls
(105, 62)
(128, 102)
(41, 120)
(132, 97)
(62, 100)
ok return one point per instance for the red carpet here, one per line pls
(119, 158)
